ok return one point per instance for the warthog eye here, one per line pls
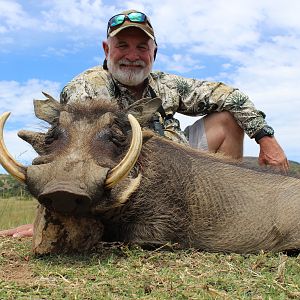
(117, 136)
(113, 134)
(103, 135)
(52, 135)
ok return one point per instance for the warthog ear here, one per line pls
(144, 109)
(47, 110)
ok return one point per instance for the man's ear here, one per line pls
(144, 109)
(105, 48)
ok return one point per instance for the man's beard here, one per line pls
(130, 77)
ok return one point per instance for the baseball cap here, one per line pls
(130, 18)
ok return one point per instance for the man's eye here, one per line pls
(122, 46)
(143, 47)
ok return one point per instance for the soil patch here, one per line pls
(15, 266)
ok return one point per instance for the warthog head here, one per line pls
(87, 159)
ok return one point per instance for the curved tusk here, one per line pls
(13, 167)
(124, 167)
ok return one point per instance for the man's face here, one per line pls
(130, 56)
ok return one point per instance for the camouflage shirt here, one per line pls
(183, 95)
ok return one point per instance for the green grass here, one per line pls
(119, 272)
(15, 211)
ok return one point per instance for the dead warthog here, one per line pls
(99, 177)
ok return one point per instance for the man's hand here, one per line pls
(272, 154)
(21, 231)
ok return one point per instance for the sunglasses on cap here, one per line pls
(135, 17)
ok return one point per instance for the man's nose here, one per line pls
(132, 55)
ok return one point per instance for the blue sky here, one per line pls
(250, 44)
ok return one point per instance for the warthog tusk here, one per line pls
(13, 167)
(124, 167)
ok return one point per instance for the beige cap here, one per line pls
(146, 26)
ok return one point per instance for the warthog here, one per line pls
(99, 177)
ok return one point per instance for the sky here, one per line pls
(253, 45)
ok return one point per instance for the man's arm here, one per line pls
(272, 154)
(202, 97)
(21, 231)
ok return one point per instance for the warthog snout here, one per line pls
(65, 198)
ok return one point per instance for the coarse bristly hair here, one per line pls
(91, 108)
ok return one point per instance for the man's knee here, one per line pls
(217, 132)
(223, 122)
(224, 134)
(223, 118)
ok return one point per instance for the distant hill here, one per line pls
(294, 166)
(10, 187)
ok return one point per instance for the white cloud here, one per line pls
(17, 97)
(75, 23)
(181, 63)
(87, 16)
(270, 76)
(283, 14)
(13, 16)
(53, 15)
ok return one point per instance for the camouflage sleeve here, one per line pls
(91, 84)
(198, 97)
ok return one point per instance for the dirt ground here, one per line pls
(15, 264)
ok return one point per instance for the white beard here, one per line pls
(130, 77)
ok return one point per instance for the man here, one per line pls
(127, 76)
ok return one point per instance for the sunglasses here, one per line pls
(135, 17)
